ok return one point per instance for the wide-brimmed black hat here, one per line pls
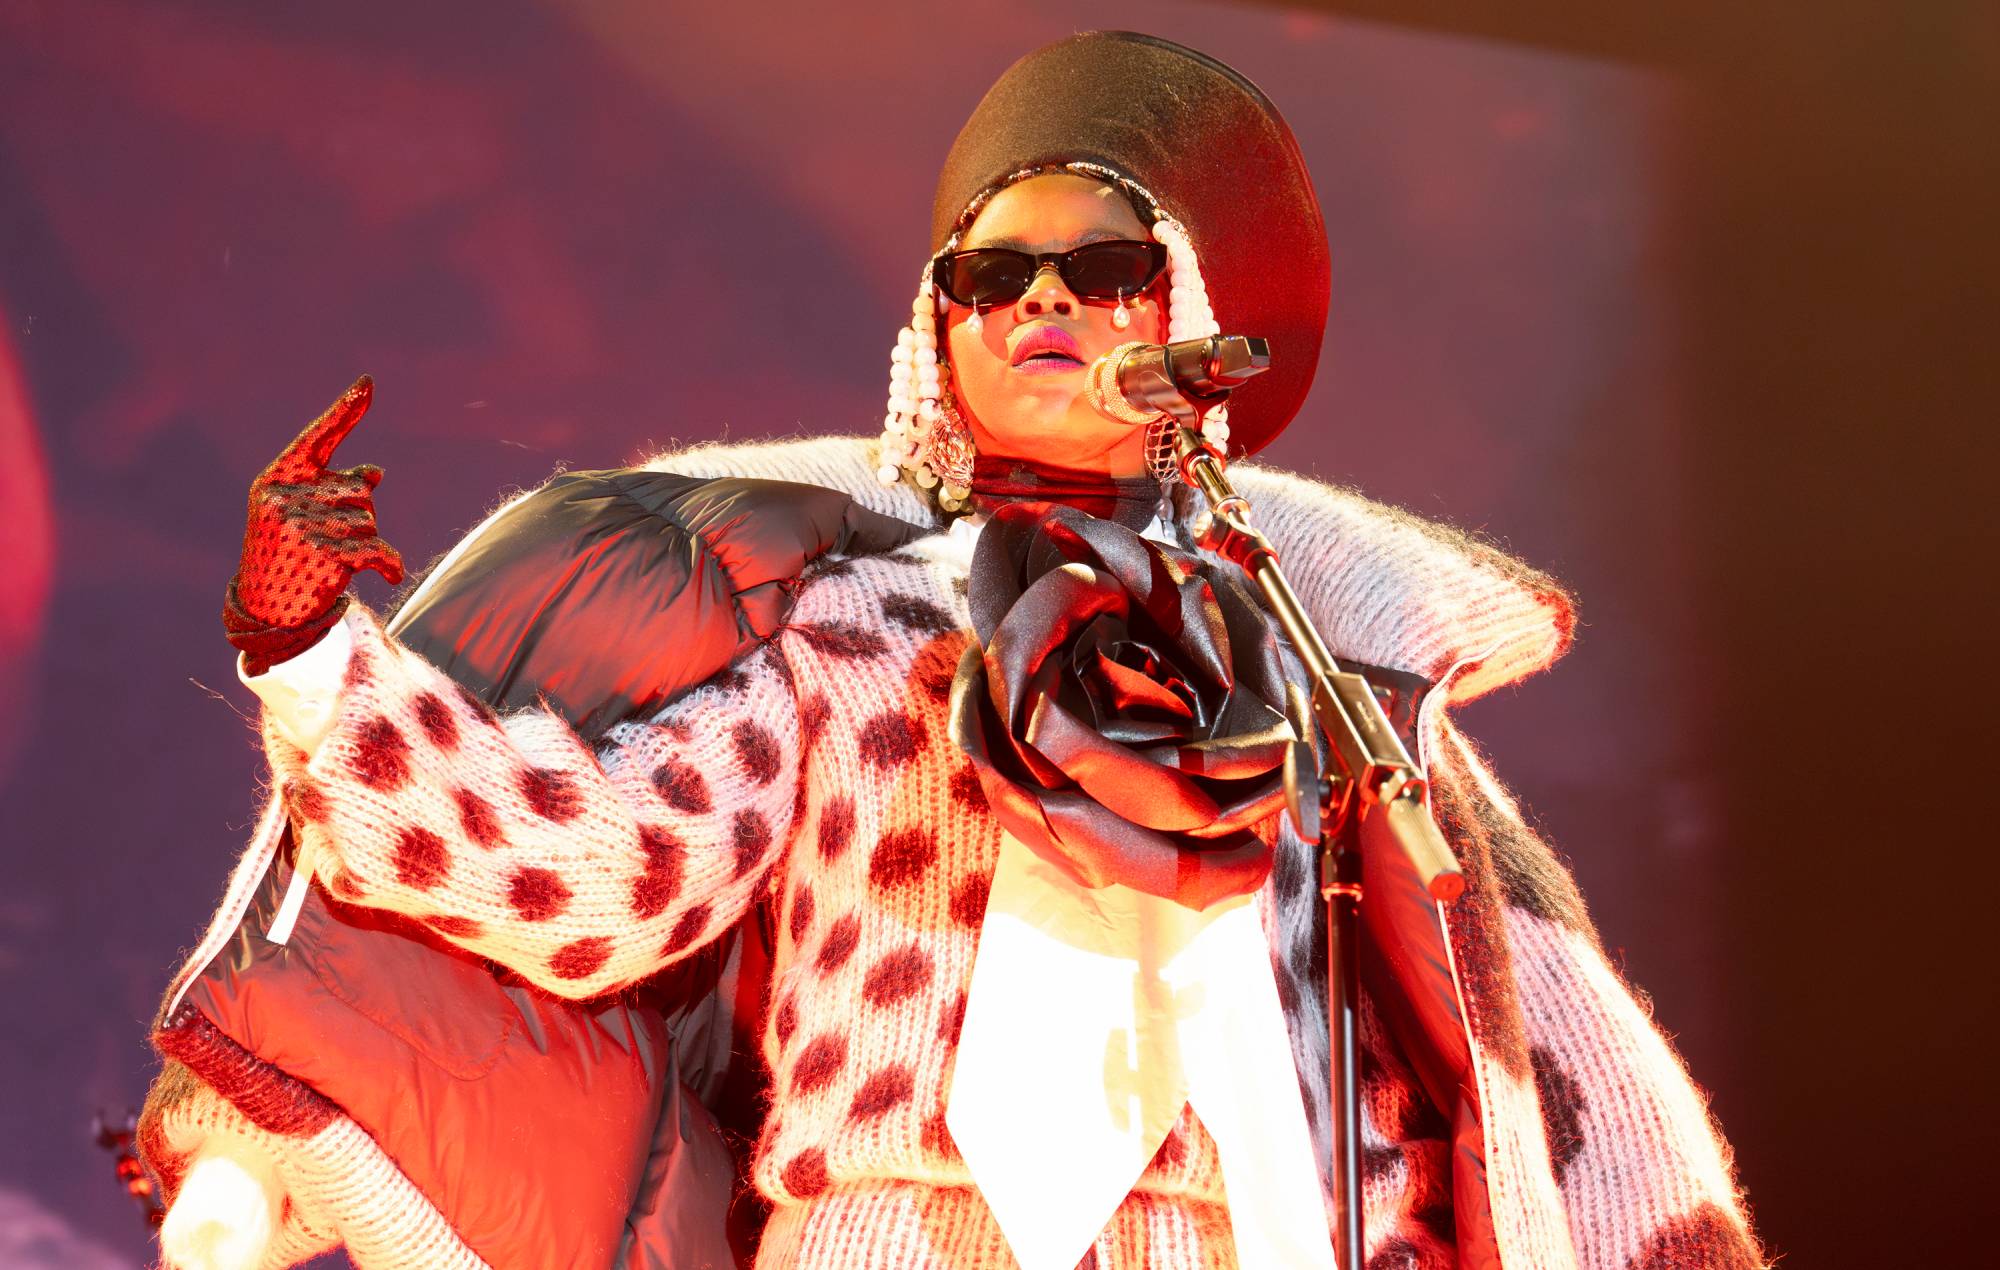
(1210, 148)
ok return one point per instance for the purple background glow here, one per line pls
(556, 234)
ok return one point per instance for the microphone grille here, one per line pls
(1104, 393)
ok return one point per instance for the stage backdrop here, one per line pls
(567, 233)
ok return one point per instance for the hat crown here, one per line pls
(1213, 151)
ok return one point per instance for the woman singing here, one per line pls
(967, 715)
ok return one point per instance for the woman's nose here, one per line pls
(1046, 295)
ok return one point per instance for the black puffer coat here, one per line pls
(603, 595)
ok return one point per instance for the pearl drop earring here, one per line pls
(975, 323)
(1119, 317)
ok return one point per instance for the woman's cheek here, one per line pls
(1149, 323)
(974, 374)
(1145, 322)
(964, 350)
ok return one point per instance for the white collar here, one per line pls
(962, 535)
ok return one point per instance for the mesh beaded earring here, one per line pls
(951, 451)
(1163, 458)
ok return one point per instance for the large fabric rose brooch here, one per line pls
(1125, 714)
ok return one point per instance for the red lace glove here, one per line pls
(309, 530)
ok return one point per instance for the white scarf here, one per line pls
(1094, 1017)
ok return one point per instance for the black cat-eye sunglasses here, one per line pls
(990, 276)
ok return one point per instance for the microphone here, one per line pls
(1137, 383)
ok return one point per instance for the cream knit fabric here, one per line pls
(818, 769)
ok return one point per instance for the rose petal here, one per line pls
(1098, 844)
(1238, 755)
(1124, 717)
(1146, 788)
(1048, 614)
(1142, 734)
(1131, 690)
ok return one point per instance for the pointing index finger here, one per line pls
(312, 450)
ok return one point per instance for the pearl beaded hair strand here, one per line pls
(915, 399)
(919, 442)
(1188, 315)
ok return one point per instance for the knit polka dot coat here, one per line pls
(815, 774)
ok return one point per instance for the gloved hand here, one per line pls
(308, 531)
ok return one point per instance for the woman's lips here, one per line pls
(1046, 350)
(1048, 364)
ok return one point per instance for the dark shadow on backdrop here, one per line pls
(1841, 285)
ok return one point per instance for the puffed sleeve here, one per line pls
(583, 869)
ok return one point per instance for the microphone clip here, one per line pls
(1186, 379)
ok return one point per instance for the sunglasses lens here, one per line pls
(986, 278)
(992, 276)
(1105, 271)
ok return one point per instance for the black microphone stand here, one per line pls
(1372, 776)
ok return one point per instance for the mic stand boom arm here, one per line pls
(1372, 774)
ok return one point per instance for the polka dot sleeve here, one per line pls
(583, 871)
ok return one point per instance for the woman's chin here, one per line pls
(1078, 437)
